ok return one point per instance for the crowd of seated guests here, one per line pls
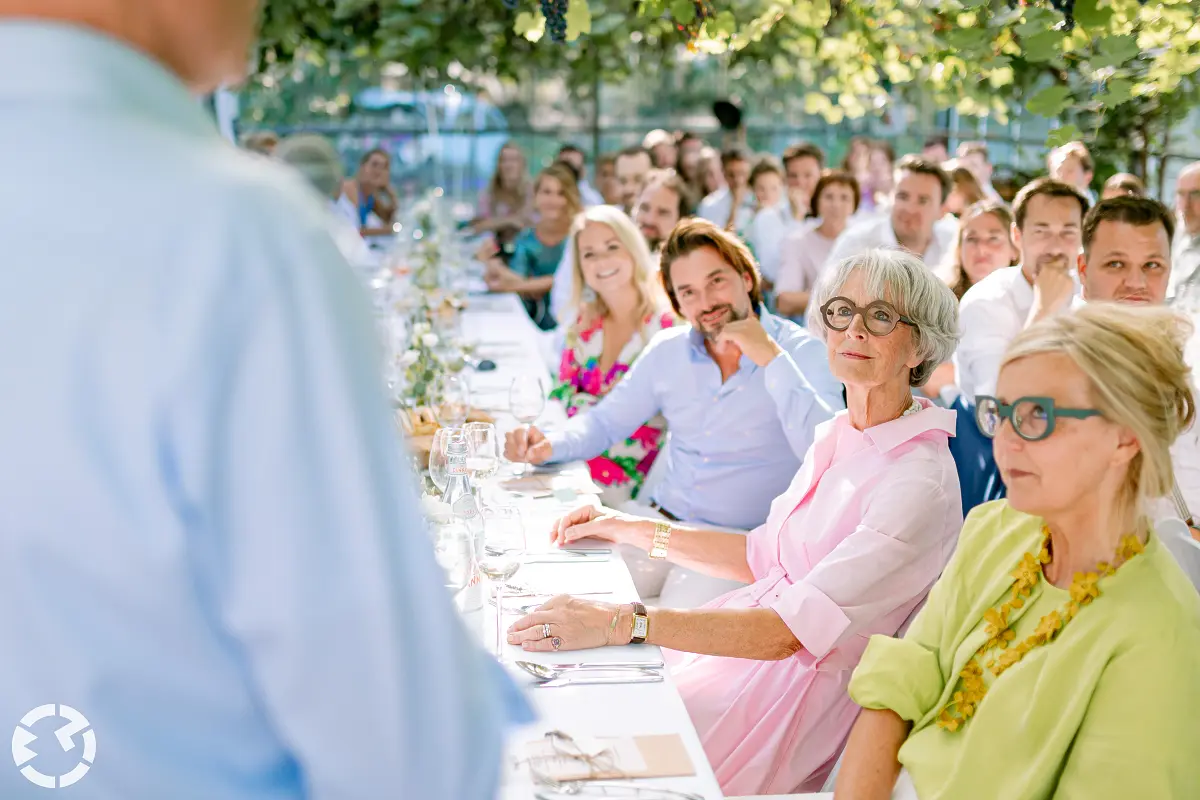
(830, 370)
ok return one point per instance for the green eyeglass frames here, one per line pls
(1032, 418)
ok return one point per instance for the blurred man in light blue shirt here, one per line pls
(208, 544)
(741, 390)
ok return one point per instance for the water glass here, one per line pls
(483, 452)
(454, 549)
(504, 548)
(453, 401)
(437, 458)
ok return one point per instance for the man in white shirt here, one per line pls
(1127, 259)
(573, 156)
(919, 202)
(1048, 230)
(1185, 269)
(211, 545)
(975, 158)
(633, 164)
(665, 200)
(730, 206)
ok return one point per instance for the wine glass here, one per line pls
(504, 549)
(483, 452)
(453, 401)
(527, 401)
(437, 458)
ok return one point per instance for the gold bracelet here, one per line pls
(612, 626)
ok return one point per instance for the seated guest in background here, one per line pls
(371, 195)
(665, 200)
(880, 176)
(660, 145)
(618, 306)
(965, 190)
(712, 179)
(1122, 184)
(633, 164)
(570, 154)
(1185, 266)
(936, 149)
(606, 179)
(974, 156)
(806, 249)
(802, 162)
(858, 159)
(849, 550)
(921, 191)
(1057, 655)
(1127, 259)
(741, 391)
(984, 244)
(691, 153)
(315, 157)
(1072, 164)
(772, 218)
(1047, 230)
(507, 203)
(730, 207)
(538, 250)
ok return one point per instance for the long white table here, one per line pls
(506, 336)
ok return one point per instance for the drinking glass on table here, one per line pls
(527, 401)
(483, 453)
(437, 458)
(504, 548)
(454, 548)
(453, 401)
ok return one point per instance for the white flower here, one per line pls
(429, 340)
(408, 358)
(420, 328)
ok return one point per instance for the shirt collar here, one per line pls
(890, 435)
(54, 63)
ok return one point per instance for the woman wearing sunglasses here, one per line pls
(850, 549)
(1059, 654)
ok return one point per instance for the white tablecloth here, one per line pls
(507, 337)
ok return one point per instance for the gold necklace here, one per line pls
(1085, 588)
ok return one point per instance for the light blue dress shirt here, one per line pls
(208, 542)
(733, 446)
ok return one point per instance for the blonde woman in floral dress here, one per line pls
(616, 310)
(1058, 656)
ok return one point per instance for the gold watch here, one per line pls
(662, 537)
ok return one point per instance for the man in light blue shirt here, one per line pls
(741, 390)
(209, 547)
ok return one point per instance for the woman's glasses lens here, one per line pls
(987, 416)
(878, 317)
(1031, 419)
(838, 314)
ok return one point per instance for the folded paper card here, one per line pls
(563, 758)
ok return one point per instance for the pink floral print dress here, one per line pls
(620, 470)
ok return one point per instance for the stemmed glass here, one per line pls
(527, 401)
(437, 458)
(483, 453)
(453, 401)
(454, 549)
(504, 548)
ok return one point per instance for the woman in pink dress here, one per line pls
(848, 551)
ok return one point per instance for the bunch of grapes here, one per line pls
(555, 12)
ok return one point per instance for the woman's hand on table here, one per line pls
(527, 445)
(590, 522)
(577, 624)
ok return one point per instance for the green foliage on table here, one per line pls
(1116, 64)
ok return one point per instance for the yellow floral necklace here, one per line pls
(1084, 589)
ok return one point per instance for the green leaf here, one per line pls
(1116, 91)
(724, 24)
(1049, 102)
(1115, 51)
(578, 18)
(1090, 14)
(531, 26)
(1063, 134)
(684, 11)
(1042, 46)
(1037, 20)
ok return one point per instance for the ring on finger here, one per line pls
(545, 630)
(556, 642)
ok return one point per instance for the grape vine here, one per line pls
(555, 12)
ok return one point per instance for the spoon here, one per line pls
(537, 670)
(549, 676)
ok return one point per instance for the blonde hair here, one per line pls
(516, 198)
(566, 179)
(650, 299)
(1133, 358)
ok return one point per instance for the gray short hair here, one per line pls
(315, 158)
(913, 288)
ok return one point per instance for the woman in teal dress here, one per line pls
(1059, 654)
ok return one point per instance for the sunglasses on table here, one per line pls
(1033, 418)
(880, 316)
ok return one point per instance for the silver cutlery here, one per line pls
(532, 665)
(622, 674)
(576, 678)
